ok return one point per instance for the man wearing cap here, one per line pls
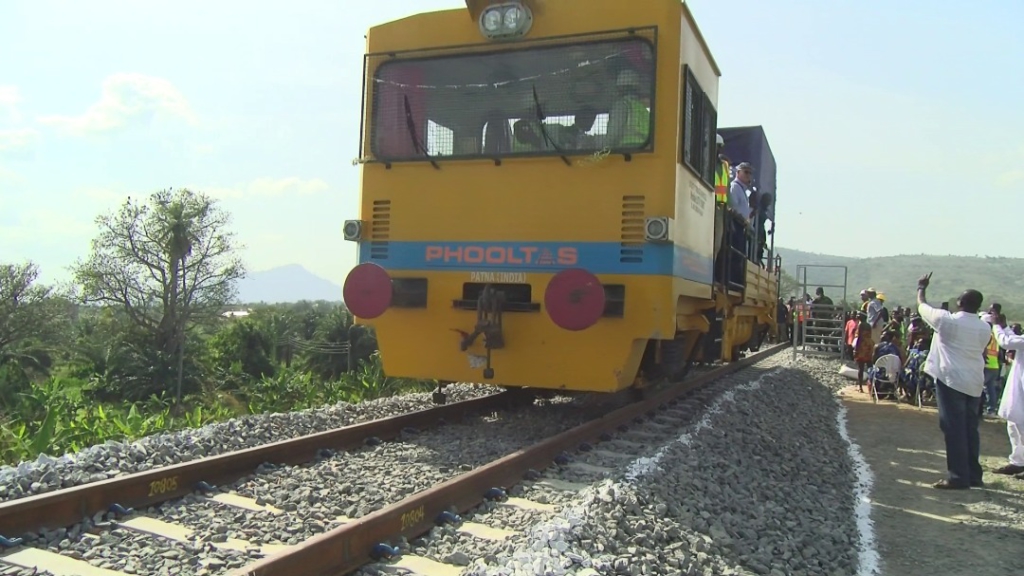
(874, 311)
(956, 362)
(739, 188)
(739, 207)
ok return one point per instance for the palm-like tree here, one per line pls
(177, 218)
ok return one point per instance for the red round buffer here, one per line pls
(574, 299)
(367, 290)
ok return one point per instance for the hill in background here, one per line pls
(290, 283)
(999, 279)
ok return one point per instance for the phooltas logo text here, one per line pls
(503, 255)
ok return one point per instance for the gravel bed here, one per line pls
(112, 459)
(753, 478)
(353, 484)
(132, 552)
(826, 371)
(314, 495)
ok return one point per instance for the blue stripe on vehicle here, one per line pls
(596, 257)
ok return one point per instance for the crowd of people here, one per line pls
(966, 361)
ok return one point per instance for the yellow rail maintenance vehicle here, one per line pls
(537, 198)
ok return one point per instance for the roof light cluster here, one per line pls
(508, 20)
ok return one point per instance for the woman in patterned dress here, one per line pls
(863, 348)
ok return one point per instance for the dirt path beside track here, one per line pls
(921, 531)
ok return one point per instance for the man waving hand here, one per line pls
(957, 363)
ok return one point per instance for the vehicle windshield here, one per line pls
(592, 96)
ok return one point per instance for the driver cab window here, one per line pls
(574, 99)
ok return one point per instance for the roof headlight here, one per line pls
(513, 17)
(491, 22)
(506, 20)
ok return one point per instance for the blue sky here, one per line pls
(895, 130)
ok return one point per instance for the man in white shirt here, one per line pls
(957, 363)
(1011, 406)
(738, 201)
(739, 207)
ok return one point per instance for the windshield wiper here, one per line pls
(411, 126)
(543, 130)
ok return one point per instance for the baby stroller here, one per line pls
(917, 384)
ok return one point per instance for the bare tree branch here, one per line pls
(167, 263)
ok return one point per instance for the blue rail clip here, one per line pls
(119, 510)
(495, 494)
(447, 517)
(382, 551)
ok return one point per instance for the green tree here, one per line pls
(243, 341)
(33, 322)
(28, 311)
(169, 264)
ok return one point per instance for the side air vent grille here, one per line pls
(632, 248)
(380, 229)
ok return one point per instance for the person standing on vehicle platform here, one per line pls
(957, 363)
(739, 207)
(722, 178)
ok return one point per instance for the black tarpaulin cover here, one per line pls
(749, 144)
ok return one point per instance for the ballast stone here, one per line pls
(112, 459)
(737, 499)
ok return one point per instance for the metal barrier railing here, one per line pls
(823, 331)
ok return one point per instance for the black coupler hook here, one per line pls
(488, 320)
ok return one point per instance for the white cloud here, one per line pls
(127, 98)
(10, 97)
(18, 140)
(269, 187)
(46, 226)
(111, 195)
(10, 178)
(1009, 174)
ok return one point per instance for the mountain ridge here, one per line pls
(288, 283)
(999, 279)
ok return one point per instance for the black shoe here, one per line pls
(1009, 470)
(947, 485)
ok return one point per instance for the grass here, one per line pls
(57, 415)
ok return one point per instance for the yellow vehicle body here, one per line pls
(446, 214)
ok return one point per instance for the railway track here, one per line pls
(359, 537)
(120, 496)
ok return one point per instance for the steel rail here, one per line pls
(68, 506)
(351, 545)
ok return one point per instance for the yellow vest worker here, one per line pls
(992, 354)
(629, 122)
(722, 176)
(722, 183)
(639, 124)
